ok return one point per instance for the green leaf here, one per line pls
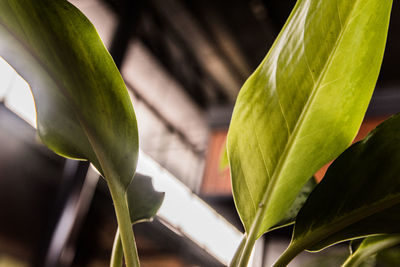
(359, 195)
(371, 246)
(304, 104)
(82, 105)
(143, 200)
(83, 108)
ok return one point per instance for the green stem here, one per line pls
(124, 224)
(238, 254)
(288, 255)
(252, 234)
(247, 249)
(352, 261)
(117, 254)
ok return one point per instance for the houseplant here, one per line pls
(300, 109)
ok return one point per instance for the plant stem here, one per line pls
(248, 247)
(117, 254)
(238, 254)
(288, 255)
(124, 224)
(252, 234)
(352, 261)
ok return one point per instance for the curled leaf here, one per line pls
(143, 200)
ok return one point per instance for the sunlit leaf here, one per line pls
(371, 246)
(304, 104)
(83, 108)
(359, 195)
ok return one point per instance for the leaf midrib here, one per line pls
(293, 137)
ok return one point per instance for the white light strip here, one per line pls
(16, 93)
(181, 209)
(188, 213)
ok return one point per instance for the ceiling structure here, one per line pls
(211, 47)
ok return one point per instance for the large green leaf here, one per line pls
(83, 108)
(359, 195)
(304, 104)
(371, 246)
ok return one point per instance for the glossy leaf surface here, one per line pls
(359, 195)
(83, 108)
(305, 102)
(143, 200)
(371, 246)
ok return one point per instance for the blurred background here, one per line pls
(183, 63)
